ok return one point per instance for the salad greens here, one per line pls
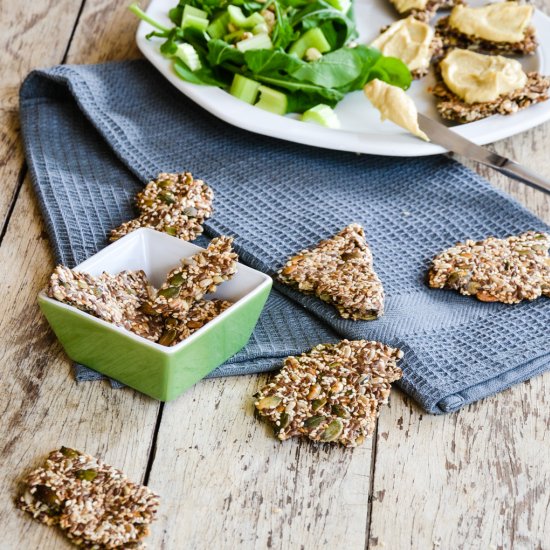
(280, 55)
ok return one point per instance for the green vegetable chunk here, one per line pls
(271, 100)
(256, 42)
(192, 22)
(218, 27)
(195, 12)
(238, 18)
(189, 56)
(314, 38)
(340, 5)
(323, 115)
(244, 88)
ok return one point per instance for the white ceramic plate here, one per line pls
(362, 131)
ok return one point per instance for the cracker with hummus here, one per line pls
(500, 28)
(332, 394)
(412, 41)
(474, 86)
(496, 270)
(423, 10)
(339, 270)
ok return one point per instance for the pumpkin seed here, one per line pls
(314, 421)
(169, 292)
(332, 431)
(317, 404)
(269, 402)
(86, 475)
(168, 337)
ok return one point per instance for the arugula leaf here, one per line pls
(287, 83)
(283, 33)
(220, 52)
(204, 75)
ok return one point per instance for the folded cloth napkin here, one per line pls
(94, 134)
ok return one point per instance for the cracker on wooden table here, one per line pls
(339, 270)
(94, 504)
(176, 204)
(198, 275)
(332, 393)
(496, 270)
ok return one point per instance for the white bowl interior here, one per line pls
(157, 253)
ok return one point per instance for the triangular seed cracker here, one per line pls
(496, 270)
(339, 270)
(331, 394)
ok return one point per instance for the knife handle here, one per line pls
(518, 172)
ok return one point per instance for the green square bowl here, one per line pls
(159, 371)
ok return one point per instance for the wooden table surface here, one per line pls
(479, 478)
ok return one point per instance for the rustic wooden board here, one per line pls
(474, 479)
(42, 407)
(32, 34)
(227, 482)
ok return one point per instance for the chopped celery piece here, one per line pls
(189, 56)
(256, 42)
(195, 12)
(314, 38)
(340, 5)
(238, 18)
(232, 36)
(271, 100)
(218, 27)
(323, 115)
(244, 88)
(261, 28)
(194, 22)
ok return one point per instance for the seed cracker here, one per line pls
(453, 38)
(451, 107)
(198, 275)
(496, 270)
(432, 7)
(332, 393)
(339, 270)
(94, 504)
(114, 298)
(200, 313)
(174, 203)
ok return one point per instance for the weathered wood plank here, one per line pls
(478, 478)
(32, 34)
(42, 407)
(227, 482)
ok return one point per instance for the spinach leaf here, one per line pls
(391, 70)
(319, 13)
(270, 61)
(333, 70)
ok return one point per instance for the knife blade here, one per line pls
(441, 135)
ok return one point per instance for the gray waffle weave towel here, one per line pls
(94, 134)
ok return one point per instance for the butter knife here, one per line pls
(441, 135)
